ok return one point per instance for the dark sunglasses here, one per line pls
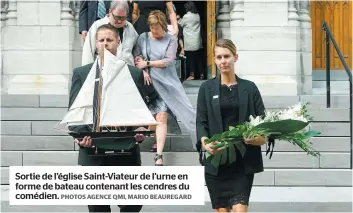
(119, 18)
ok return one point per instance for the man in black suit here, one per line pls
(107, 36)
(91, 11)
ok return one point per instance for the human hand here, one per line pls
(138, 58)
(257, 141)
(139, 138)
(208, 148)
(85, 142)
(147, 78)
(84, 35)
(141, 64)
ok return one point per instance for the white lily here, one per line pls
(255, 121)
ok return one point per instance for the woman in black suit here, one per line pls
(224, 101)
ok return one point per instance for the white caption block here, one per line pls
(107, 185)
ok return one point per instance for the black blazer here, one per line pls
(78, 78)
(209, 119)
(88, 14)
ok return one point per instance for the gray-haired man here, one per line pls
(118, 12)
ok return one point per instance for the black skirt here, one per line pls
(231, 186)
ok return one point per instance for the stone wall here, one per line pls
(273, 40)
(40, 46)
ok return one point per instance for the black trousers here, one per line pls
(123, 208)
(131, 159)
(194, 63)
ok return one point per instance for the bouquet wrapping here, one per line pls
(291, 125)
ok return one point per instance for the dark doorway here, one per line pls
(201, 9)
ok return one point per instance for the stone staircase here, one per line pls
(28, 139)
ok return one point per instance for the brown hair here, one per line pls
(108, 27)
(226, 43)
(157, 17)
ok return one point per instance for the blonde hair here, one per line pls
(226, 43)
(157, 17)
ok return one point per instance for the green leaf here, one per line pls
(216, 137)
(231, 128)
(232, 154)
(312, 133)
(241, 147)
(216, 159)
(218, 145)
(227, 134)
(224, 157)
(242, 128)
(208, 155)
(283, 126)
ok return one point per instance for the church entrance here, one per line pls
(338, 15)
(203, 8)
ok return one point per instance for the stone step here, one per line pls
(284, 160)
(342, 85)
(283, 102)
(323, 91)
(174, 143)
(53, 115)
(334, 85)
(193, 84)
(34, 100)
(41, 128)
(262, 199)
(317, 101)
(19, 150)
(192, 90)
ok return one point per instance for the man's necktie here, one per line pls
(95, 99)
(101, 9)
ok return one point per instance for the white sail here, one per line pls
(81, 110)
(121, 102)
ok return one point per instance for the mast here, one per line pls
(99, 93)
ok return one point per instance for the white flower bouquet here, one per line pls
(291, 125)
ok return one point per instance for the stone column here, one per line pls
(77, 12)
(237, 15)
(11, 16)
(78, 43)
(4, 6)
(267, 36)
(306, 47)
(38, 49)
(223, 20)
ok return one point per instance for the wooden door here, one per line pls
(211, 37)
(338, 15)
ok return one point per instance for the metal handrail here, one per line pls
(328, 37)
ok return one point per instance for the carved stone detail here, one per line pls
(223, 20)
(293, 17)
(11, 16)
(237, 13)
(66, 13)
(4, 6)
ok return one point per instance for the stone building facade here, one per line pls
(273, 38)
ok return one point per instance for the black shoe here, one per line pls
(157, 157)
